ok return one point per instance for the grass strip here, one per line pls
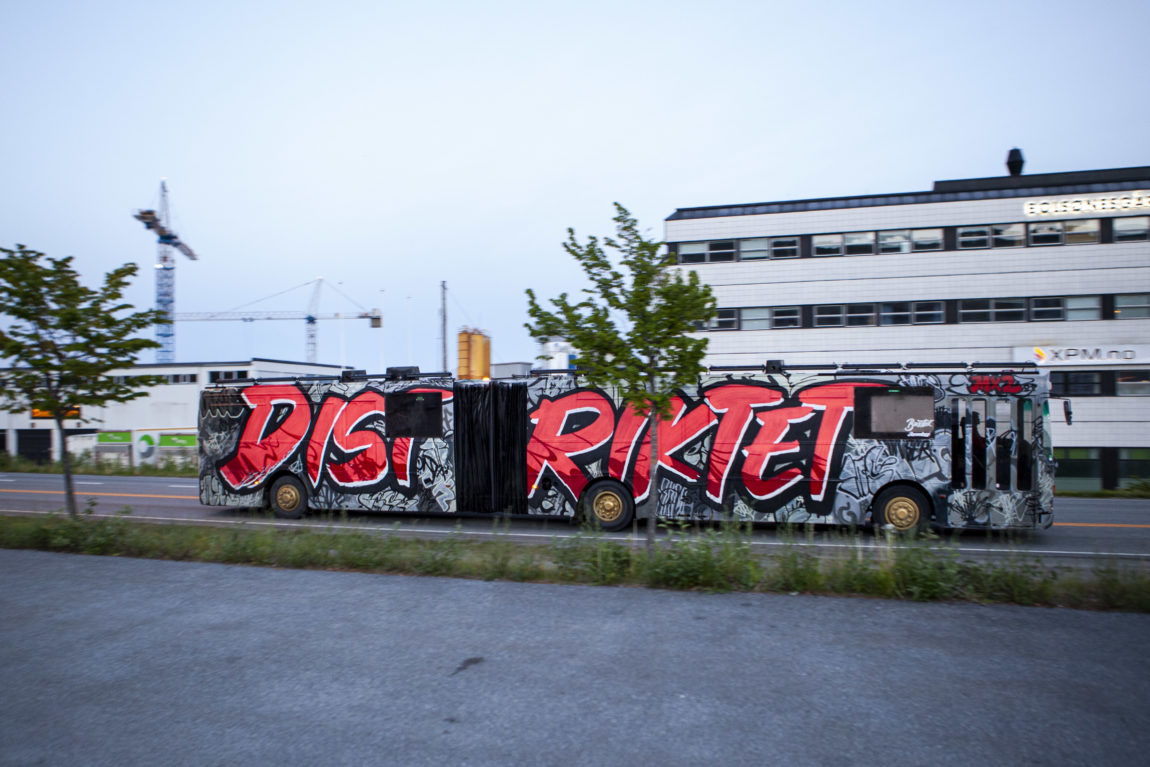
(716, 560)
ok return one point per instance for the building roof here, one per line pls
(995, 187)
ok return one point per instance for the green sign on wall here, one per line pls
(177, 440)
(114, 438)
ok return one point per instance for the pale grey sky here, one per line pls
(388, 146)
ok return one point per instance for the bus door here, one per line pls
(992, 443)
(491, 446)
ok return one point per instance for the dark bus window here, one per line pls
(958, 443)
(1025, 429)
(1003, 443)
(894, 413)
(978, 444)
(414, 414)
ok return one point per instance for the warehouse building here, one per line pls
(1052, 269)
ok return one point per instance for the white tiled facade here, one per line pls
(1104, 423)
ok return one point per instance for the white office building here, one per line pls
(1052, 269)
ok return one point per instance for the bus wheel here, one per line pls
(610, 507)
(903, 509)
(288, 498)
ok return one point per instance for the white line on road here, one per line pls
(89, 483)
(186, 487)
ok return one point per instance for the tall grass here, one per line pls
(714, 560)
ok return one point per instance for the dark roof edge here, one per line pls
(1108, 175)
(957, 186)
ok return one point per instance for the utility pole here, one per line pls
(443, 319)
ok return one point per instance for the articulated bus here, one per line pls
(902, 446)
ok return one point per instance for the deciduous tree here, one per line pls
(631, 326)
(61, 339)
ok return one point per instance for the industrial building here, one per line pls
(147, 429)
(1052, 269)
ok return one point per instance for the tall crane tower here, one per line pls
(158, 221)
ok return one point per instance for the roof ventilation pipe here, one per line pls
(1014, 161)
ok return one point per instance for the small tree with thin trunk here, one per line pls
(631, 326)
(61, 339)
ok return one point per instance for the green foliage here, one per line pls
(588, 557)
(87, 463)
(63, 338)
(712, 560)
(631, 325)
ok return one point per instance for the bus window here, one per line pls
(894, 413)
(1025, 429)
(978, 444)
(1003, 443)
(957, 443)
(414, 414)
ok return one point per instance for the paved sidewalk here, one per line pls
(107, 661)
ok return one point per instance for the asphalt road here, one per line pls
(109, 661)
(1085, 530)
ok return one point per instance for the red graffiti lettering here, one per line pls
(1004, 384)
(367, 461)
(836, 401)
(552, 445)
(767, 444)
(628, 451)
(258, 453)
(320, 436)
(735, 404)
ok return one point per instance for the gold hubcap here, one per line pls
(902, 513)
(287, 498)
(608, 507)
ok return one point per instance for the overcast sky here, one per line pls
(386, 146)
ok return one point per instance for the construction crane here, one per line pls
(158, 221)
(310, 317)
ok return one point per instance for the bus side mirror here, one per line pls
(1068, 412)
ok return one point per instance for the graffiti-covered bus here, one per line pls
(907, 447)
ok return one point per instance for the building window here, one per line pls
(724, 319)
(1083, 307)
(1133, 383)
(784, 247)
(755, 318)
(829, 316)
(860, 314)
(859, 243)
(1083, 231)
(1133, 465)
(227, 375)
(1046, 309)
(785, 317)
(1009, 235)
(896, 241)
(1079, 468)
(182, 378)
(721, 251)
(827, 244)
(894, 314)
(1131, 228)
(1070, 384)
(753, 250)
(992, 310)
(1132, 306)
(928, 312)
(1046, 233)
(926, 239)
(692, 252)
(973, 237)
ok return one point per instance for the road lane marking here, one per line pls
(114, 495)
(1096, 524)
(186, 487)
(89, 483)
